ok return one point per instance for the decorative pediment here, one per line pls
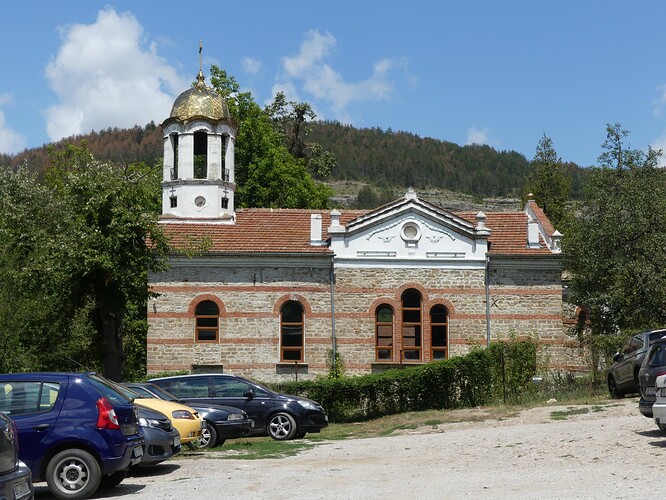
(411, 229)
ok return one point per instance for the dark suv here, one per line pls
(653, 365)
(76, 431)
(623, 374)
(278, 415)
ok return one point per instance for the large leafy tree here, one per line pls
(616, 246)
(268, 174)
(549, 183)
(112, 242)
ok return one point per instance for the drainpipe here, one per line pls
(487, 302)
(333, 340)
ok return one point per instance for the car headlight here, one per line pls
(236, 416)
(148, 422)
(308, 405)
(182, 414)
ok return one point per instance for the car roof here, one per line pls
(194, 375)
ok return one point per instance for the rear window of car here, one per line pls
(658, 355)
(108, 389)
(657, 335)
(20, 397)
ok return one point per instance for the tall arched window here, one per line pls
(439, 329)
(207, 321)
(291, 331)
(384, 333)
(411, 325)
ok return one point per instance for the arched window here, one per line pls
(207, 321)
(384, 333)
(174, 148)
(439, 330)
(411, 325)
(291, 331)
(200, 155)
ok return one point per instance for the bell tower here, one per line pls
(198, 170)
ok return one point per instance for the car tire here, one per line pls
(281, 426)
(208, 436)
(112, 480)
(662, 427)
(614, 392)
(73, 474)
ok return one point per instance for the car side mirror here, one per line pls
(249, 394)
(617, 356)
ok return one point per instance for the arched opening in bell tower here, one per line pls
(200, 155)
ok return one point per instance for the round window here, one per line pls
(199, 201)
(411, 232)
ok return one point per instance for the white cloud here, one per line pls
(11, 142)
(477, 135)
(316, 77)
(105, 77)
(251, 65)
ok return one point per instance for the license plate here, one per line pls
(663, 392)
(176, 441)
(649, 390)
(138, 452)
(21, 488)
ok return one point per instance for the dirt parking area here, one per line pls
(604, 451)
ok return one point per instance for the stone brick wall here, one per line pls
(521, 303)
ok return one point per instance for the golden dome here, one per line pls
(200, 101)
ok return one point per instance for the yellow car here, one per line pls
(185, 420)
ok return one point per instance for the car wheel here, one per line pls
(73, 474)
(281, 426)
(112, 480)
(612, 388)
(662, 427)
(208, 436)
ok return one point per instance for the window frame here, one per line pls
(291, 324)
(206, 328)
(417, 325)
(434, 349)
(378, 325)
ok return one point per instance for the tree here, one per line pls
(112, 242)
(616, 246)
(267, 173)
(549, 183)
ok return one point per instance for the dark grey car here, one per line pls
(623, 374)
(15, 476)
(653, 366)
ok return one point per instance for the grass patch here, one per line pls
(256, 448)
(565, 414)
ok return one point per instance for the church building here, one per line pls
(277, 294)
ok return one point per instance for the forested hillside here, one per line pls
(394, 160)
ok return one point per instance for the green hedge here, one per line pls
(482, 376)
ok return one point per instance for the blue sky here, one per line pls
(498, 73)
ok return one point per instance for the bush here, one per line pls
(463, 381)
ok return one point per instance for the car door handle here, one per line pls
(41, 427)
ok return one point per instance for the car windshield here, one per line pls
(161, 393)
(141, 392)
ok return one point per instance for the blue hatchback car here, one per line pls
(76, 431)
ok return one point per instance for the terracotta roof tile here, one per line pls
(288, 231)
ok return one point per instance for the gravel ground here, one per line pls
(611, 451)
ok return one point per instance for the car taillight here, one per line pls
(107, 418)
(14, 436)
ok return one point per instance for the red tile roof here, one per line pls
(262, 230)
